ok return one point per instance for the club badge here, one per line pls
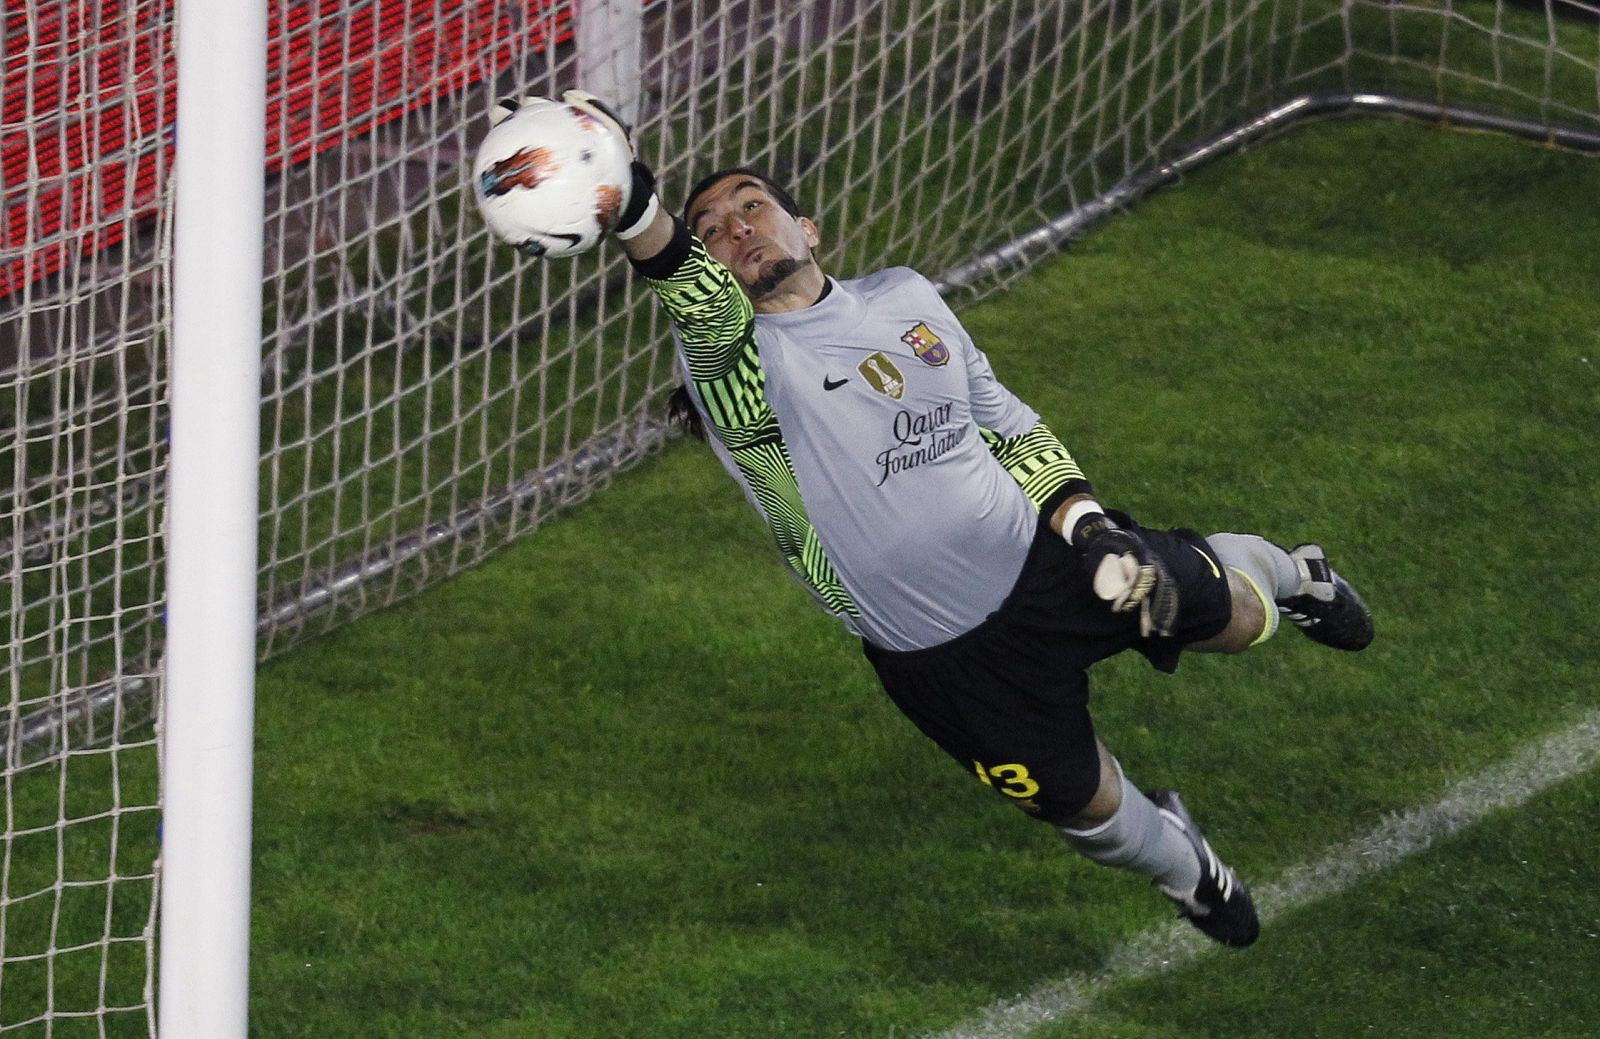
(929, 347)
(883, 375)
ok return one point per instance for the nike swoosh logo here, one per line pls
(534, 247)
(1209, 562)
(829, 384)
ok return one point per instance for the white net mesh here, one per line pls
(426, 396)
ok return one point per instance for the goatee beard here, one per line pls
(773, 275)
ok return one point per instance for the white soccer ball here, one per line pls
(551, 179)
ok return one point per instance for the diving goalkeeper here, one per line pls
(939, 519)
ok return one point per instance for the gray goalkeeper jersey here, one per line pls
(899, 478)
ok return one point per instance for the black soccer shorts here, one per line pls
(1009, 700)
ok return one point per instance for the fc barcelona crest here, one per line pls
(929, 347)
(883, 375)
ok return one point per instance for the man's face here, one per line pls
(746, 230)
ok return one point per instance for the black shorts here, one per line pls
(1009, 699)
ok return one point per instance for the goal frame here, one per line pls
(207, 720)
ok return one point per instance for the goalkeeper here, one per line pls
(936, 515)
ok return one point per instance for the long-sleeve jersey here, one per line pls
(900, 480)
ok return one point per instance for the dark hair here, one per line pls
(780, 196)
(682, 413)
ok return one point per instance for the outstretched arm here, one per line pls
(651, 239)
(712, 315)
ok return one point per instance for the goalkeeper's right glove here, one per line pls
(642, 202)
(1125, 572)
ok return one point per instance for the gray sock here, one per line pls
(1265, 563)
(1139, 838)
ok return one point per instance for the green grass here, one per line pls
(626, 781)
(1494, 932)
(1521, 59)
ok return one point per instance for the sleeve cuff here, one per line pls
(1062, 493)
(673, 255)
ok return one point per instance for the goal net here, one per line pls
(428, 396)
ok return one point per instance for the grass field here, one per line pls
(625, 780)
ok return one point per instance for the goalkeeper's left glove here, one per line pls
(1124, 571)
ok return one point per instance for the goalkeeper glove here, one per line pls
(1125, 572)
(642, 202)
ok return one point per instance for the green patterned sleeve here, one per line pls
(1040, 465)
(713, 316)
(716, 326)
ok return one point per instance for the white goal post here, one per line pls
(207, 712)
(411, 397)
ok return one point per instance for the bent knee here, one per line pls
(1247, 623)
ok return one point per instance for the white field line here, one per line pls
(1570, 752)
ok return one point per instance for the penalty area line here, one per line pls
(1512, 782)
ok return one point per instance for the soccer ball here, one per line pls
(551, 179)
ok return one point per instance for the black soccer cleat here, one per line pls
(1326, 608)
(1219, 905)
